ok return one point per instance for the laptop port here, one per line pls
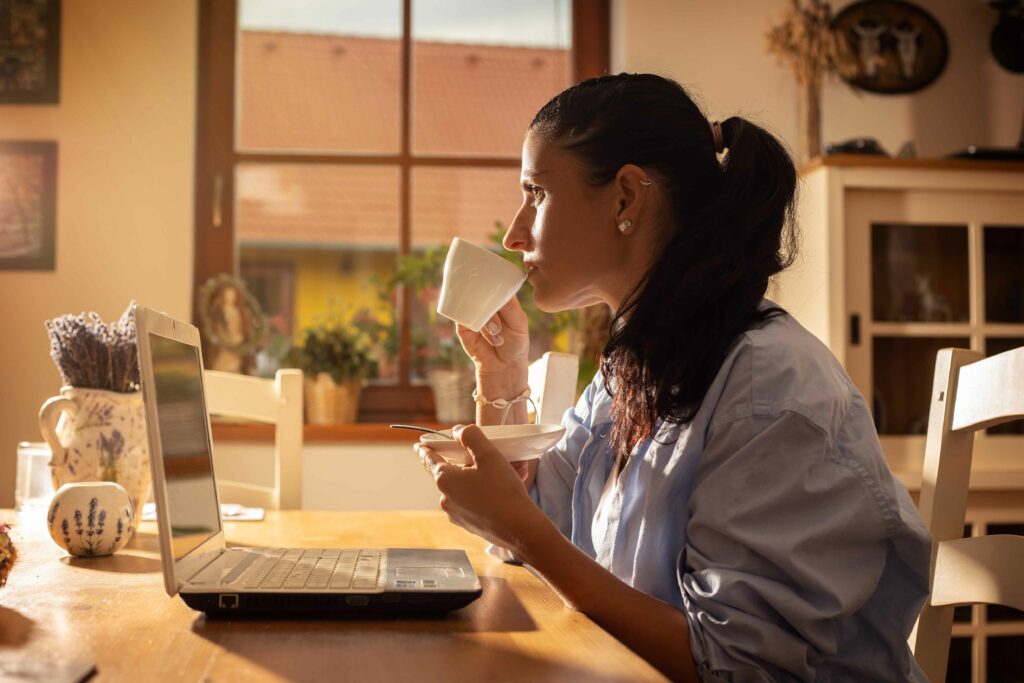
(228, 601)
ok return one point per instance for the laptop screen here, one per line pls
(181, 412)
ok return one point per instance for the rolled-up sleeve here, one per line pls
(559, 466)
(784, 537)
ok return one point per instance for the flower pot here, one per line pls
(90, 519)
(328, 402)
(97, 435)
(453, 395)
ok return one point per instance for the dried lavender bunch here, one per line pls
(91, 354)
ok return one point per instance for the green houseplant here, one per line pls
(335, 359)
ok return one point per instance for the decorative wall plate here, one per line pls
(892, 46)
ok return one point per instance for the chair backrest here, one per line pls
(969, 393)
(275, 401)
(552, 380)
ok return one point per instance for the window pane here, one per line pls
(994, 346)
(919, 273)
(903, 371)
(958, 668)
(319, 240)
(462, 202)
(1004, 276)
(319, 76)
(1006, 659)
(482, 69)
(999, 612)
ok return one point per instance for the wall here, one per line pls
(717, 49)
(126, 130)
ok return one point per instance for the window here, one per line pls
(334, 138)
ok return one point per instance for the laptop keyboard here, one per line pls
(314, 568)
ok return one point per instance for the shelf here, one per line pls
(874, 161)
(339, 433)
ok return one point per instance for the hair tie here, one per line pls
(716, 134)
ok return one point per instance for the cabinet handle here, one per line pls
(855, 329)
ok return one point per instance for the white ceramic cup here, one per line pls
(477, 282)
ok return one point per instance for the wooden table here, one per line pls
(114, 612)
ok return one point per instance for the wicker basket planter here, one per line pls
(330, 403)
(453, 395)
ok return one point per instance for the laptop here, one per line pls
(222, 581)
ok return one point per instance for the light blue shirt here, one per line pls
(771, 519)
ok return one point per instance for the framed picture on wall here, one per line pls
(29, 51)
(28, 205)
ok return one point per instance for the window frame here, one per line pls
(215, 250)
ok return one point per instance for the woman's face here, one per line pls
(566, 231)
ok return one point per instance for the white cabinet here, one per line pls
(902, 258)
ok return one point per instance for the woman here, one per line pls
(720, 502)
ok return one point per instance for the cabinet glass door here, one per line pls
(919, 273)
(903, 371)
(1004, 274)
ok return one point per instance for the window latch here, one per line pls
(218, 192)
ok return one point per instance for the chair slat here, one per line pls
(980, 570)
(236, 395)
(995, 386)
(552, 380)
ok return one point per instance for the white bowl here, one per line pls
(514, 442)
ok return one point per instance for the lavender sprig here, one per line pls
(92, 354)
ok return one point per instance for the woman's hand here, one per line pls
(487, 497)
(503, 345)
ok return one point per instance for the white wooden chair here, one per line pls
(552, 380)
(276, 401)
(969, 393)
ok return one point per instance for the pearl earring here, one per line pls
(625, 225)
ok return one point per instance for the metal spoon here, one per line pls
(423, 429)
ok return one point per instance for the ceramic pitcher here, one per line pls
(98, 435)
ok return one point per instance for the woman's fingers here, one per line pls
(433, 463)
(480, 447)
(491, 332)
(512, 316)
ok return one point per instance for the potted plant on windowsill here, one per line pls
(335, 359)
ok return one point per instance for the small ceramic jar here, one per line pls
(89, 519)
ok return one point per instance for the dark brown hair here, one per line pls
(731, 229)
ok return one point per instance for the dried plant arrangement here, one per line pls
(804, 41)
(91, 354)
